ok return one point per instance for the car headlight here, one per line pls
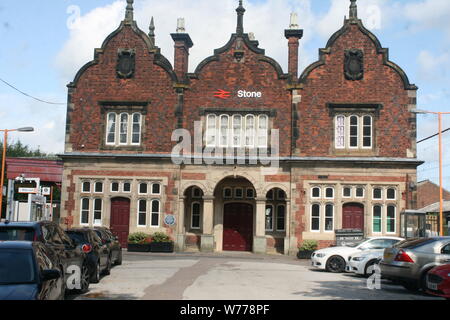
(357, 258)
(320, 255)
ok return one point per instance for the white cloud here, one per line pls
(429, 14)
(433, 67)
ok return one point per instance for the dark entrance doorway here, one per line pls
(238, 227)
(353, 216)
(120, 219)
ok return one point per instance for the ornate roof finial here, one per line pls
(240, 22)
(293, 25)
(151, 33)
(129, 11)
(181, 25)
(353, 10)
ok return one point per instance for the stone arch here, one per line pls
(271, 186)
(190, 184)
(252, 180)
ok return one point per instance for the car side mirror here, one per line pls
(50, 274)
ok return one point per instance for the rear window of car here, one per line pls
(16, 234)
(413, 243)
(77, 237)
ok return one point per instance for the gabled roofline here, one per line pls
(380, 50)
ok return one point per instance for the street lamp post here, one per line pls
(5, 141)
(441, 187)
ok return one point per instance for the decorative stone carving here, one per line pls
(354, 64)
(126, 63)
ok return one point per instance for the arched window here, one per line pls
(98, 206)
(143, 188)
(136, 129)
(263, 127)
(224, 130)
(142, 213)
(114, 187)
(340, 132)
(281, 217)
(85, 209)
(377, 218)
(195, 216)
(391, 194)
(196, 193)
(390, 219)
(315, 217)
(98, 188)
(367, 132)
(156, 188)
(329, 193)
(377, 194)
(155, 213)
(86, 187)
(315, 192)
(111, 129)
(237, 131)
(211, 131)
(123, 128)
(250, 131)
(269, 218)
(329, 217)
(354, 131)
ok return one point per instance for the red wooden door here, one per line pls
(353, 216)
(238, 227)
(120, 219)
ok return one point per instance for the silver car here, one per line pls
(409, 261)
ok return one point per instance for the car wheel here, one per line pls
(370, 270)
(107, 270)
(119, 259)
(84, 281)
(336, 264)
(96, 276)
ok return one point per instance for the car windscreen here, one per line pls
(16, 234)
(355, 244)
(77, 237)
(16, 267)
(413, 243)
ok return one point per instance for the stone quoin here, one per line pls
(347, 140)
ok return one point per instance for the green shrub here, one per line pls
(309, 245)
(138, 238)
(160, 237)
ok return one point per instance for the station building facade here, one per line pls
(346, 157)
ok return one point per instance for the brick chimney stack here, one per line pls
(183, 43)
(293, 34)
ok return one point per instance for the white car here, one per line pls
(334, 259)
(361, 262)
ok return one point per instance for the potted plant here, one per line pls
(161, 243)
(139, 242)
(307, 248)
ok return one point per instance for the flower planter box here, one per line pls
(161, 247)
(133, 247)
(304, 254)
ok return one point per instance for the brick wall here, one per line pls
(428, 193)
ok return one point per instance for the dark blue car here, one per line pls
(30, 271)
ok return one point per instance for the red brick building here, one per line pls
(428, 194)
(347, 140)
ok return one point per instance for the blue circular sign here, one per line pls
(169, 219)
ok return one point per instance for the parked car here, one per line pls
(409, 261)
(112, 242)
(334, 259)
(98, 254)
(438, 281)
(363, 262)
(54, 237)
(30, 271)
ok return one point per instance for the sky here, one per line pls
(46, 42)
